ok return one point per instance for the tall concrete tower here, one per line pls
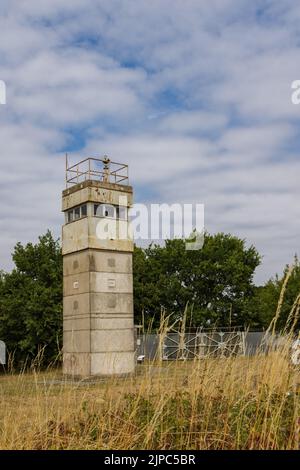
(97, 260)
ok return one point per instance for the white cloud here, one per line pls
(193, 122)
(214, 76)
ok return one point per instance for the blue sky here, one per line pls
(194, 95)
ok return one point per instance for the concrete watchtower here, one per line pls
(97, 260)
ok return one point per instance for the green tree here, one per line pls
(215, 281)
(266, 298)
(31, 301)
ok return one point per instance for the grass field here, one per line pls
(212, 403)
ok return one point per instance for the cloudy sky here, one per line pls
(194, 95)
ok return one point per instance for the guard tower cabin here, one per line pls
(98, 326)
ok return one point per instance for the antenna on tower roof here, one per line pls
(66, 170)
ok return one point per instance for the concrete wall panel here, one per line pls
(77, 341)
(111, 303)
(75, 236)
(78, 364)
(111, 282)
(76, 263)
(96, 192)
(75, 198)
(105, 234)
(77, 284)
(76, 305)
(77, 323)
(112, 340)
(82, 234)
(111, 323)
(106, 261)
(96, 260)
(112, 363)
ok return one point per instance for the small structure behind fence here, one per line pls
(198, 343)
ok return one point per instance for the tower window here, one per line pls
(77, 213)
(83, 210)
(104, 210)
(70, 216)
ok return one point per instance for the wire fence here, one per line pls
(186, 345)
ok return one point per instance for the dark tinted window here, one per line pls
(104, 210)
(83, 210)
(77, 213)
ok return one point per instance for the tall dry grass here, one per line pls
(249, 402)
(228, 403)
